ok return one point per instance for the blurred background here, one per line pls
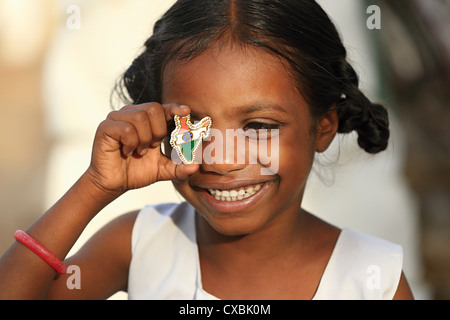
(59, 61)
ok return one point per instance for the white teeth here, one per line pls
(234, 195)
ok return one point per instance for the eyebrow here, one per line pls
(248, 109)
(261, 106)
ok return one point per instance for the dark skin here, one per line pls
(231, 243)
(238, 88)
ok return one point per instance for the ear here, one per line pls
(326, 130)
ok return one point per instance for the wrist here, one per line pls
(94, 191)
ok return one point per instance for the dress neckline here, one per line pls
(202, 294)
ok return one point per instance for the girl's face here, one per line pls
(247, 89)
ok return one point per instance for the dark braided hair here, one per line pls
(299, 32)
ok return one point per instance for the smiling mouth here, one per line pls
(231, 195)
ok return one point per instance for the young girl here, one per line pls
(276, 68)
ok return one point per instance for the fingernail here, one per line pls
(144, 152)
(183, 107)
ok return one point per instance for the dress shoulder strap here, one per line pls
(361, 267)
(164, 254)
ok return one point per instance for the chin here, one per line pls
(235, 225)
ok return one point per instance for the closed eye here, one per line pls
(261, 130)
(261, 126)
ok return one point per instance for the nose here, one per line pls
(221, 168)
(222, 153)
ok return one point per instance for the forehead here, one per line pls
(229, 77)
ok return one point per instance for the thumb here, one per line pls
(173, 171)
(182, 171)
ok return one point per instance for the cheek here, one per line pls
(181, 186)
(296, 158)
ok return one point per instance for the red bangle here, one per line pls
(41, 251)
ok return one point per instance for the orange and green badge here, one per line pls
(186, 137)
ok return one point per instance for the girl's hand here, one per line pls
(127, 148)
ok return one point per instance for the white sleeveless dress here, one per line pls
(165, 262)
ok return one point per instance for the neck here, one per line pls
(277, 239)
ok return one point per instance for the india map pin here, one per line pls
(186, 137)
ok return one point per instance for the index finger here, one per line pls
(170, 111)
(173, 109)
